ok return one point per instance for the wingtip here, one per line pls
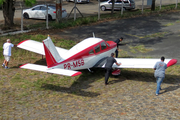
(76, 74)
(172, 62)
(22, 42)
(23, 65)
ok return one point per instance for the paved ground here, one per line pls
(86, 9)
(128, 97)
(159, 32)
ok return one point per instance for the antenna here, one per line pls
(93, 35)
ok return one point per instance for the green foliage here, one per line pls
(29, 2)
(72, 23)
(1, 2)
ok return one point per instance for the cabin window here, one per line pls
(97, 49)
(91, 51)
(107, 44)
(103, 45)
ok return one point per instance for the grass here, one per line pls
(139, 48)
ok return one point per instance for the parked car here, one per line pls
(107, 4)
(79, 1)
(39, 12)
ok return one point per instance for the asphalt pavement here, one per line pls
(86, 9)
(160, 33)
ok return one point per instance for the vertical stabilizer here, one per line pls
(52, 55)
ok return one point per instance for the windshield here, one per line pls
(52, 6)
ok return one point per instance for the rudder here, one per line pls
(52, 55)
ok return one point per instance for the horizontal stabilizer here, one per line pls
(37, 47)
(49, 70)
(32, 46)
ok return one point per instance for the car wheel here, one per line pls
(49, 17)
(26, 16)
(103, 8)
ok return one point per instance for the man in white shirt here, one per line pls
(7, 52)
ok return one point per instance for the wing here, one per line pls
(140, 62)
(55, 70)
(37, 47)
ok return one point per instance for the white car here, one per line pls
(107, 4)
(79, 1)
(39, 12)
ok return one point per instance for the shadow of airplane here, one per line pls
(84, 81)
(80, 85)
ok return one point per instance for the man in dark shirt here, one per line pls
(110, 61)
(117, 41)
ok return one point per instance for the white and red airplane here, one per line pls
(91, 52)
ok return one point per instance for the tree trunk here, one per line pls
(153, 5)
(8, 12)
(58, 11)
(112, 10)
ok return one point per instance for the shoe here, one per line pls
(3, 65)
(6, 67)
(106, 83)
(157, 94)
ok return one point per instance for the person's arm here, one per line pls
(118, 64)
(155, 66)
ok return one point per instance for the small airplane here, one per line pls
(89, 53)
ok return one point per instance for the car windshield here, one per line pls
(103, 0)
(52, 6)
(132, 1)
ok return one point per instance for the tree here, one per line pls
(8, 9)
(153, 5)
(59, 10)
(112, 10)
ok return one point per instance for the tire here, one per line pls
(26, 16)
(103, 8)
(49, 17)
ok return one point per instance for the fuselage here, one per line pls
(86, 54)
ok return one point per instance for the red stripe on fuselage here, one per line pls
(85, 52)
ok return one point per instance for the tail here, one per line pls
(52, 55)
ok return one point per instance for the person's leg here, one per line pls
(159, 81)
(107, 75)
(7, 61)
(4, 63)
(116, 53)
